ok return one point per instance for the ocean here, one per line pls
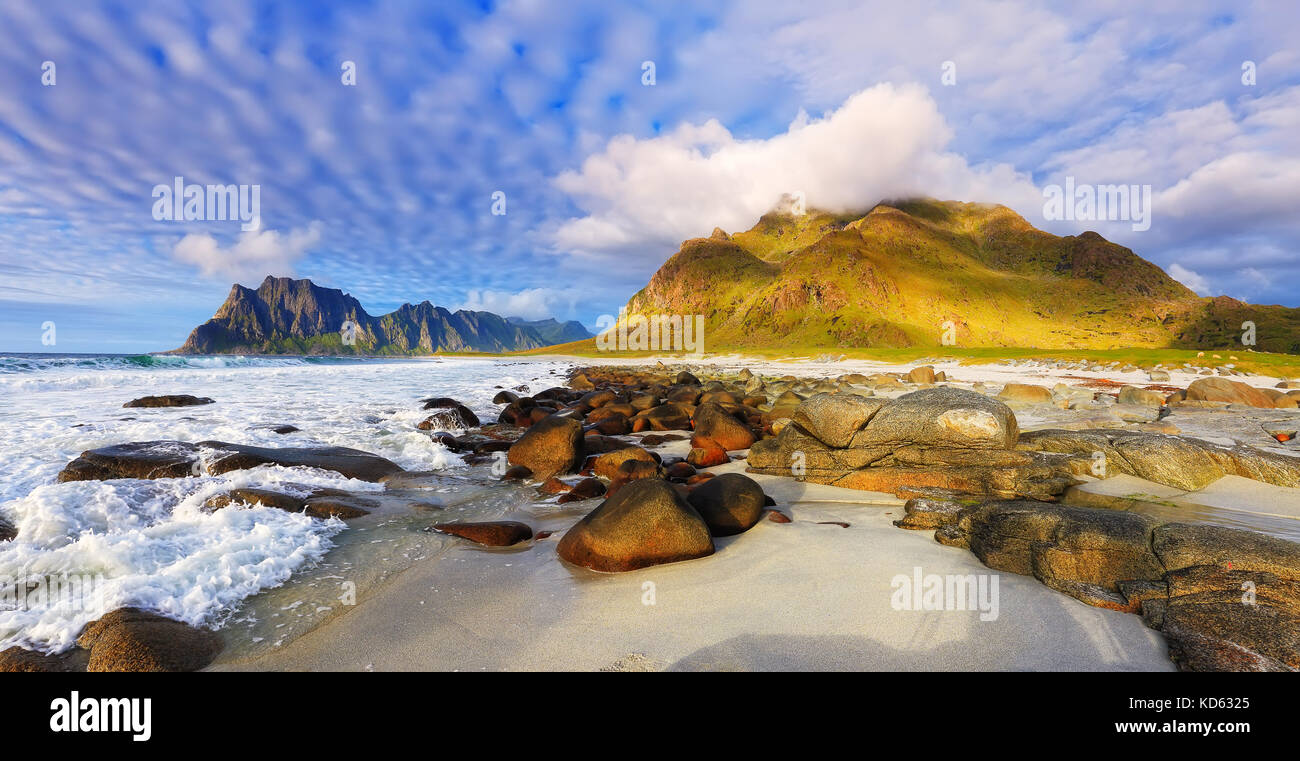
(148, 543)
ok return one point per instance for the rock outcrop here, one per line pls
(1226, 599)
(1178, 461)
(940, 437)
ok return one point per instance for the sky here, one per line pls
(545, 158)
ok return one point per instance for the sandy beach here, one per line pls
(798, 596)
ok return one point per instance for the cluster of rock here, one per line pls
(934, 438)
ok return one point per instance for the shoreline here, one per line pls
(798, 596)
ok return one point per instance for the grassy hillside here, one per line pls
(902, 274)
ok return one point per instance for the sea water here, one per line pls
(149, 543)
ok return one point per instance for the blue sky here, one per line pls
(384, 188)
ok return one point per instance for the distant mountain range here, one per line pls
(288, 316)
(912, 273)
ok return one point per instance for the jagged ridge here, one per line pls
(288, 316)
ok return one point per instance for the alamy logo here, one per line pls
(78, 714)
(656, 332)
(1091, 203)
(922, 591)
(211, 203)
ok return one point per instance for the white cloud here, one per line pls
(530, 304)
(883, 142)
(1189, 278)
(256, 254)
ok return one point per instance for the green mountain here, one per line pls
(917, 272)
(287, 316)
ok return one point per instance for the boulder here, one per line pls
(607, 464)
(941, 416)
(717, 428)
(729, 504)
(646, 523)
(1216, 389)
(1025, 392)
(1141, 396)
(923, 374)
(665, 417)
(21, 660)
(489, 533)
(450, 419)
(131, 639)
(834, 418)
(552, 446)
(177, 459)
(587, 488)
(707, 457)
(170, 400)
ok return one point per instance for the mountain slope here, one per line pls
(287, 316)
(904, 272)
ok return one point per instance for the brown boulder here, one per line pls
(707, 457)
(552, 446)
(715, 427)
(1230, 391)
(587, 488)
(1025, 392)
(923, 374)
(730, 504)
(646, 523)
(607, 464)
(489, 533)
(131, 639)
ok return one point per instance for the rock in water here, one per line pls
(131, 639)
(20, 660)
(552, 446)
(177, 459)
(646, 523)
(172, 400)
(730, 504)
(451, 415)
(489, 533)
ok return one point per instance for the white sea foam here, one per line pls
(149, 543)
